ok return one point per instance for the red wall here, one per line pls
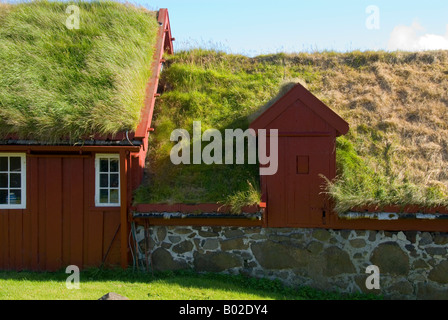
(61, 225)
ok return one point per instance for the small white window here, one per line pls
(107, 180)
(12, 181)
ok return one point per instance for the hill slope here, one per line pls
(396, 105)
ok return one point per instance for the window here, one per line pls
(107, 180)
(12, 181)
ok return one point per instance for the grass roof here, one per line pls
(396, 105)
(58, 83)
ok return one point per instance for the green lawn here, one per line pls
(183, 285)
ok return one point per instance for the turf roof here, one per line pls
(396, 104)
(58, 83)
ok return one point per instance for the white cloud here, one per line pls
(413, 38)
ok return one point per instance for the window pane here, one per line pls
(113, 165)
(114, 196)
(104, 180)
(114, 180)
(3, 180)
(3, 163)
(15, 197)
(15, 180)
(104, 165)
(3, 196)
(104, 195)
(14, 164)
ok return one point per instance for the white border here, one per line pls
(23, 181)
(97, 179)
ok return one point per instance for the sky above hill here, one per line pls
(254, 27)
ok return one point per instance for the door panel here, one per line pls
(295, 196)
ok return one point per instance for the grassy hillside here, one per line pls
(396, 105)
(58, 83)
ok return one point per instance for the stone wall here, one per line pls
(413, 265)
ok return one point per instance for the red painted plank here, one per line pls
(33, 196)
(53, 199)
(66, 208)
(18, 235)
(111, 224)
(76, 214)
(95, 247)
(4, 240)
(26, 235)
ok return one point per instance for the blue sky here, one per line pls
(258, 27)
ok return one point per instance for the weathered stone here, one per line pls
(161, 234)
(298, 236)
(402, 287)
(436, 251)
(390, 259)
(272, 255)
(337, 262)
(358, 243)
(166, 245)
(440, 273)
(113, 296)
(321, 234)
(358, 255)
(216, 261)
(208, 234)
(345, 234)
(216, 229)
(411, 249)
(210, 244)
(425, 238)
(427, 291)
(184, 246)
(432, 262)
(258, 236)
(401, 236)
(233, 244)
(252, 230)
(420, 264)
(389, 234)
(411, 236)
(196, 242)
(162, 261)
(233, 233)
(441, 238)
(278, 238)
(183, 230)
(315, 247)
(192, 235)
(372, 236)
(174, 239)
(360, 233)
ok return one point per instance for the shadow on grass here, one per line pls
(262, 287)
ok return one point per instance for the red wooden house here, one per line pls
(307, 131)
(68, 204)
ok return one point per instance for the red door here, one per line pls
(295, 196)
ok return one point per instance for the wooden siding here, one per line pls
(61, 225)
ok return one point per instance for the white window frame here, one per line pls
(22, 188)
(108, 156)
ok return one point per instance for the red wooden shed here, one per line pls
(68, 204)
(307, 131)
